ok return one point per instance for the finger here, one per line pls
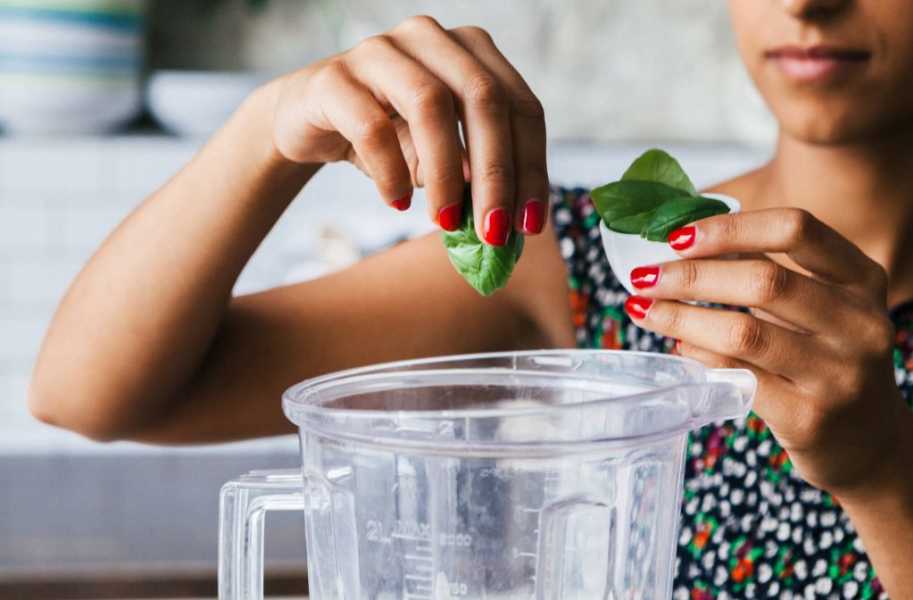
(527, 122)
(729, 333)
(485, 111)
(467, 171)
(408, 147)
(426, 103)
(772, 397)
(810, 304)
(352, 110)
(810, 243)
(766, 316)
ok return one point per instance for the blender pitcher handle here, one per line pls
(729, 396)
(243, 504)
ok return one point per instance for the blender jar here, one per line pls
(554, 475)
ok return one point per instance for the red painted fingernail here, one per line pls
(637, 306)
(533, 216)
(644, 277)
(403, 203)
(496, 227)
(683, 238)
(449, 217)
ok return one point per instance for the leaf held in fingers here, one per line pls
(653, 198)
(486, 268)
(632, 223)
(621, 199)
(678, 212)
(658, 166)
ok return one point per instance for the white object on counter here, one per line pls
(197, 103)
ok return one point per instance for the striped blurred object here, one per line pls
(70, 67)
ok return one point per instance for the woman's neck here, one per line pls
(864, 191)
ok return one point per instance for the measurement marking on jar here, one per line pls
(530, 518)
(417, 542)
(407, 538)
(417, 557)
(419, 586)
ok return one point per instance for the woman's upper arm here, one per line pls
(404, 303)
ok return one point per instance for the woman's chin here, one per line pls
(822, 125)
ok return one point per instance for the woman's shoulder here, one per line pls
(743, 187)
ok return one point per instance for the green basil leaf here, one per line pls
(677, 212)
(486, 268)
(631, 223)
(621, 199)
(658, 166)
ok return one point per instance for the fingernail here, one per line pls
(496, 227)
(644, 277)
(533, 216)
(637, 306)
(449, 217)
(403, 203)
(683, 238)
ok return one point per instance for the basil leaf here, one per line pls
(658, 166)
(653, 197)
(486, 268)
(621, 199)
(631, 223)
(677, 212)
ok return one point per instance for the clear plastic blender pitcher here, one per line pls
(551, 475)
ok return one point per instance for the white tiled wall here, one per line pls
(60, 198)
(57, 201)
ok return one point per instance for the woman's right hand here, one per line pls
(393, 106)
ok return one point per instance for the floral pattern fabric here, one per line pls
(750, 527)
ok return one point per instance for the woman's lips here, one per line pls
(817, 64)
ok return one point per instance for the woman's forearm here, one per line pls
(883, 517)
(139, 318)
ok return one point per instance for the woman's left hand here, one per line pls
(818, 337)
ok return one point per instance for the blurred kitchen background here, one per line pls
(101, 101)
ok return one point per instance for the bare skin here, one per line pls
(149, 345)
(238, 354)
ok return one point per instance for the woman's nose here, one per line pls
(812, 8)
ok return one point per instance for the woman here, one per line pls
(772, 507)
